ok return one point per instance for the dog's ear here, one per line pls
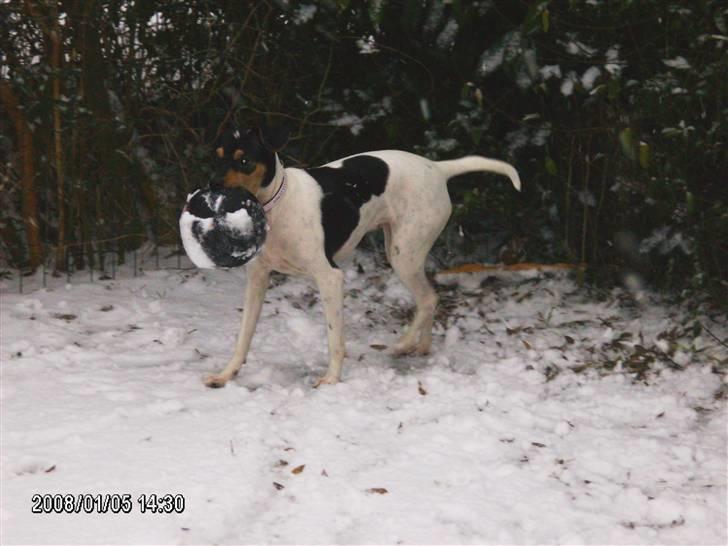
(273, 138)
(226, 140)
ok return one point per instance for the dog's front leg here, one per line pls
(331, 287)
(257, 284)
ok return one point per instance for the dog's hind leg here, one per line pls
(418, 336)
(330, 281)
(255, 288)
(408, 246)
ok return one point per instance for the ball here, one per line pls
(222, 227)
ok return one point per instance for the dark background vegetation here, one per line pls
(614, 113)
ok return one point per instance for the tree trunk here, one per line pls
(27, 174)
(56, 53)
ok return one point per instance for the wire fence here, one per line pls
(98, 260)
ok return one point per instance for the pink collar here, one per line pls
(268, 205)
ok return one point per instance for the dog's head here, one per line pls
(247, 157)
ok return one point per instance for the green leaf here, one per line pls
(545, 20)
(613, 88)
(644, 155)
(550, 165)
(626, 140)
(690, 201)
(376, 8)
(534, 17)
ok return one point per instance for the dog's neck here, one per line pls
(267, 194)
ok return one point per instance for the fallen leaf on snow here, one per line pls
(298, 469)
(377, 490)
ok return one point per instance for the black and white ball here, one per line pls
(223, 227)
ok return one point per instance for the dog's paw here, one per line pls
(419, 348)
(326, 380)
(403, 350)
(215, 381)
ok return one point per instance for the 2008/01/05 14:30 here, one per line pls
(114, 503)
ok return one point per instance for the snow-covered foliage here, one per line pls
(611, 111)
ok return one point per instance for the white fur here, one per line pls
(412, 211)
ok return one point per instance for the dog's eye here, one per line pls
(247, 165)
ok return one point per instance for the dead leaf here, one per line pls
(50, 469)
(281, 462)
(298, 469)
(377, 490)
(107, 308)
(324, 473)
(526, 344)
(538, 444)
(68, 317)
(289, 449)
(278, 486)
(421, 389)
(378, 346)
(202, 355)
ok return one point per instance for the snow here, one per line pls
(589, 77)
(304, 14)
(239, 221)
(515, 430)
(678, 62)
(446, 38)
(549, 71)
(664, 240)
(567, 85)
(575, 47)
(613, 65)
(504, 51)
(352, 121)
(367, 45)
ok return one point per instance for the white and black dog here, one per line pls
(318, 216)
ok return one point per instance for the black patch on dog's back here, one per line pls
(346, 189)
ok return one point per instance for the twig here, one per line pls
(711, 334)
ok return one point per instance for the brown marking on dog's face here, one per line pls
(247, 158)
(251, 181)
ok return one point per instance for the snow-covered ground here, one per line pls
(546, 414)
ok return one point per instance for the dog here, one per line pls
(317, 216)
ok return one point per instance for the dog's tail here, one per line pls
(473, 163)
